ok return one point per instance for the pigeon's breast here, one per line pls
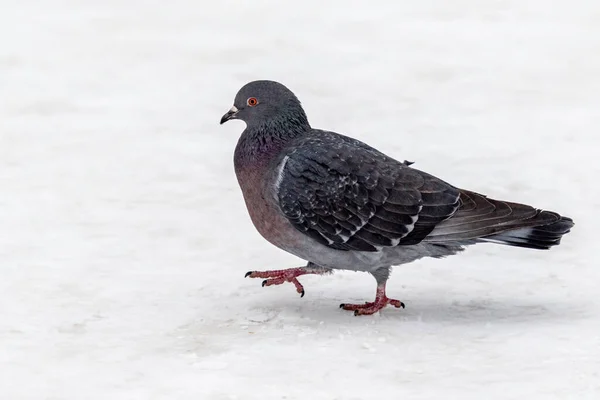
(257, 181)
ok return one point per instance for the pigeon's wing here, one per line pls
(348, 196)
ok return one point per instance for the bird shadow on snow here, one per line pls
(422, 310)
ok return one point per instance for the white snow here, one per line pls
(124, 238)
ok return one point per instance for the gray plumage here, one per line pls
(341, 204)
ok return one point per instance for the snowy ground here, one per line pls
(124, 239)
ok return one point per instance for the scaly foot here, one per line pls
(277, 277)
(381, 300)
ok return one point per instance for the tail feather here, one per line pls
(538, 237)
(483, 219)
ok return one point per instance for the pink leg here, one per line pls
(381, 300)
(279, 276)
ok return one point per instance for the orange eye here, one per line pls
(252, 101)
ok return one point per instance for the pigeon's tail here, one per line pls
(487, 220)
(540, 237)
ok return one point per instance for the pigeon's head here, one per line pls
(261, 103)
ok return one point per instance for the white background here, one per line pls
(124, 238)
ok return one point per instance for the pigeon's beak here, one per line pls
(229, 115)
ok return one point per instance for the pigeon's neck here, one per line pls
(260, 143)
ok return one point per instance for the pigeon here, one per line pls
(340, 204)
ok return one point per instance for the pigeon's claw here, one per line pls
(381, 300)
(371, 307)
(277, 277)
(396, 303)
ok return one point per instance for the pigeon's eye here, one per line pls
(252, 101)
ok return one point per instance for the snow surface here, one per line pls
(124, 238)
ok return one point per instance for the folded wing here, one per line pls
(348, 196)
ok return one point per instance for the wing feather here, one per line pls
(348, 196)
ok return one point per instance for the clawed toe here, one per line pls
(396, 303)
(354, 307)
